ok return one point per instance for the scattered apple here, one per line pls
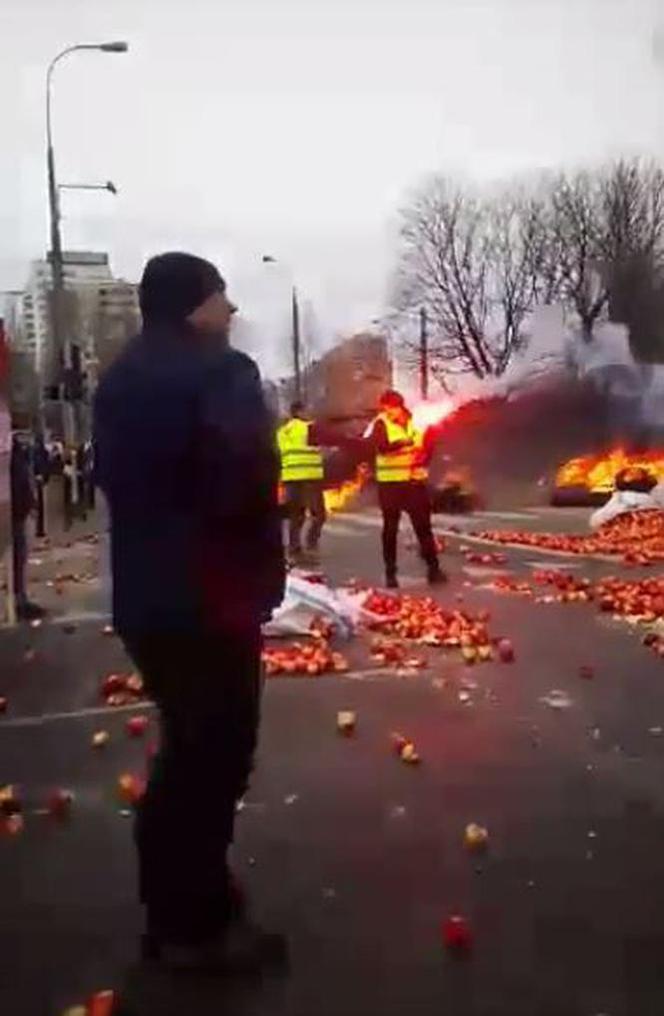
(399, 742)
(475, 837)
(12, 825)
(505, 651)
(60, 803)
(457, 936)
(3, 704)
(102, 1003)
(346, 722)
(10, 800)
(130, 788)
(137, 725)
(409, 754)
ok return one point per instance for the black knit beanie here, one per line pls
(174, 285)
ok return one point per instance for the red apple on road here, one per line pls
(505, 651)
(113, 684)
(60, 803)
(457, 936)
(10, 800)
(137, 725)
(102, 1003)
(130, 788)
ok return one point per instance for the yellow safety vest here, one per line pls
(403, 465)
(299, 459)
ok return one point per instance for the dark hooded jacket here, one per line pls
(185, 455)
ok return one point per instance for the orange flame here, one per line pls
(598, 472)
(336, 498)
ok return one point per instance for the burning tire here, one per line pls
(578, 497)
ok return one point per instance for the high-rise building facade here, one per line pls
(99, 311)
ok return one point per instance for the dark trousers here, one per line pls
(20, 559)
(302, 498)
(412, 498)
(207, 689)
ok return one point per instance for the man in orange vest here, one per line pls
(401, 476)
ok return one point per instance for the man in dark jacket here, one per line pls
(186, 458)
(23, 502)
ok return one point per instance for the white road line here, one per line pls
(83, 714)
(58, 620)
(76, 714)
(344, 529)
(502, 515)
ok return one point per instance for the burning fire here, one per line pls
(336, 498)
(598, 472)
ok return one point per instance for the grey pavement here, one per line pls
(356, 856)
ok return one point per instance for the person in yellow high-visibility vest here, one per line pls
(401, 475)
(302, 478)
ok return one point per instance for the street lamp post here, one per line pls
(61, 341)
(295, 334)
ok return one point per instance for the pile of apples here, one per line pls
(305, 658)
(636, 537)
(122, 689)
(569, 588)
(642, 599)
(425, 621)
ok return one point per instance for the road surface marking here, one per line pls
(82, 714)
(502, 515)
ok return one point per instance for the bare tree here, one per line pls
(600, 226)
(474, 264)
(480, 264)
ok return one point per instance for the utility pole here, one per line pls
(424, 355)
(67, 358)
(297, 371)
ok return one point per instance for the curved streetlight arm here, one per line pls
(49, 75)
(108, 186)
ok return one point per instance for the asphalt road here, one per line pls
(356, 856)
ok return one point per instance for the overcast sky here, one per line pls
(235, 128)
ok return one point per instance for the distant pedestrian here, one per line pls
(23, 504)
(187, 460)
(401, 475)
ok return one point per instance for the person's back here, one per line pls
(185, 455)
(172, 419)
(145, 431)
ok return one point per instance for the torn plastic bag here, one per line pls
(305, 600)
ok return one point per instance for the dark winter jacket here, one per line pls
(185, 455)
(22, 485)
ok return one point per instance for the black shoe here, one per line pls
(391, 582)
(30, 611)
(243, 948)
(436, 576)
